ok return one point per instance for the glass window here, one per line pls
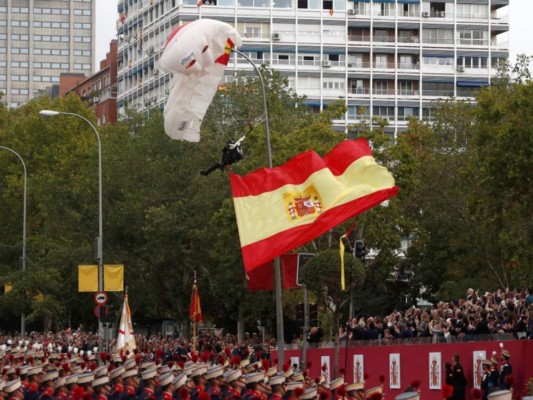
(282, 3)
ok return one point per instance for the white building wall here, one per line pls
(388, 58)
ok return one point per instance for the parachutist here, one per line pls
(231, 153)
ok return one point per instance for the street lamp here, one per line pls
(22, 316)
(277, 261)
(99, 239)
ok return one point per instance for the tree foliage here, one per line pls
(463, 207)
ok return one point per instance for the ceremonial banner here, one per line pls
(435, 371)
(325, 368)
(126, 338)
(394, 371)
(279, 209)
(195, 311)
(295, 363)
(358, 368)
(479, 356)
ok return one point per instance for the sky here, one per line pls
(520, 36)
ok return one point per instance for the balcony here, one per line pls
(358, 65)
(409, 40)
(359, 38)
(408, 92)
(253, 36)
(408, 14)
(473, 16)
(383, 65)
(408, 66)
(473, 42)
(440, 41)
(438, 14)
(438, 93)
(359, 91)
(385, 13)
(499, 45)
(383, 92)
(384, 39)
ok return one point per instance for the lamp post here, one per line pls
(99, 239)
(277, 261)
(22, 316)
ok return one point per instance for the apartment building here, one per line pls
(385, 58)
(40, 39)
(99, 89)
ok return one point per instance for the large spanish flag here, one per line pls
(279, 209)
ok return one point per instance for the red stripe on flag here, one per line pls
(262, 278)
(267, 180)
(260, 252)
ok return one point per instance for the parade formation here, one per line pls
(69, 374)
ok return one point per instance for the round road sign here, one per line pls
(100, 298)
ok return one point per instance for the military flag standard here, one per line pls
(279, 209)
(126, 338)
(195, 312)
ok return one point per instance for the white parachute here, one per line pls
(197, 54)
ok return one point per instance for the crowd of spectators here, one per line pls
(502, 312)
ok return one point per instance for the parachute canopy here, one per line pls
(197, 54)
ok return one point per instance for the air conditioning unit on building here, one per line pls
(326, 63)
(150, 51)
(351, 11)
(276, 36)
(425, 14)
(460, 68)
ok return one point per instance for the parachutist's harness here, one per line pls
(231, 153)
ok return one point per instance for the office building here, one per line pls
(385, 58)
(40, 39)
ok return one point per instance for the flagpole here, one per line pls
(277, 260)
(195, 294)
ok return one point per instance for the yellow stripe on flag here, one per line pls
(114, 278)
(87, 278)
(262, 216)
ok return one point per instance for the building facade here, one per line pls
(385, 58)
(40, 39)
(99, 89)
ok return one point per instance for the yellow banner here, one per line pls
(87, 278)
(114, 278)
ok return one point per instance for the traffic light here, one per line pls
(313, 314)
(300, 314)
(360, 250)
(107, 314)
